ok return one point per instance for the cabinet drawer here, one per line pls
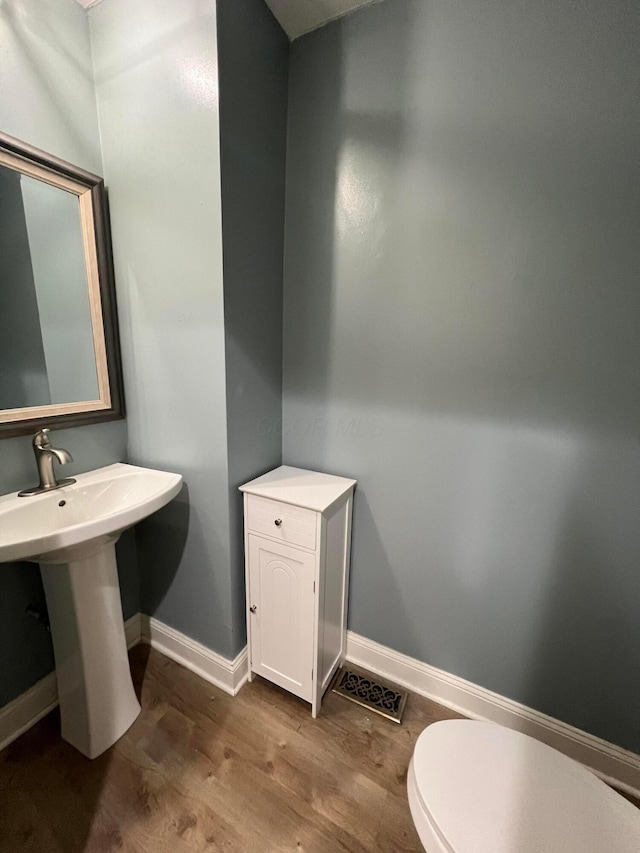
(291, 524)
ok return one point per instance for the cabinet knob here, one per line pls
(253, 608)
(278, 522)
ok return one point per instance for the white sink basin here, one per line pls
(72, 533)
(104, 501)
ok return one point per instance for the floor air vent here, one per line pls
(365, 690)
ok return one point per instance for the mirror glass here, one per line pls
(59, 353)
(46, 341)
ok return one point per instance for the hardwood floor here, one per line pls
(200, 770)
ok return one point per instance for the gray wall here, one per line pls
(157, 90)
(48, 101)
(202, 350)
(461, 335)
(253, 55)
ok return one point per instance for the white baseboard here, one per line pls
(226, 674)
(25, 710)
(615, 765)
(133, 630)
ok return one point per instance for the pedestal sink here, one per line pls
(72, 533)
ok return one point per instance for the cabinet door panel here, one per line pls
(281, 582)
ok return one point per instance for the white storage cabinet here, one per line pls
(297, 548)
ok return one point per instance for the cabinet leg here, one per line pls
(251, 675)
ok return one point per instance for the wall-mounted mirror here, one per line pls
(59, 350)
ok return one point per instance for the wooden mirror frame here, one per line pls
(96, 237)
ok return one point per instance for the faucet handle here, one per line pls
(41, 439)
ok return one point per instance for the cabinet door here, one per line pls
(281, 589)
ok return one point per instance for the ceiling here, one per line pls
(297, 17)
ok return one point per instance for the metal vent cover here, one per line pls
(370, 693)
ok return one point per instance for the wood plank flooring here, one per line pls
(201, 771)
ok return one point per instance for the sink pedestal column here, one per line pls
(97, 700)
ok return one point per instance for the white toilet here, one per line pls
(481, 788)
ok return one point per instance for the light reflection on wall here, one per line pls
(199, 79)
(358, 191)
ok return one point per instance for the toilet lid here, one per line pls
(487, 789)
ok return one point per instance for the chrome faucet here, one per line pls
(45, 453)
